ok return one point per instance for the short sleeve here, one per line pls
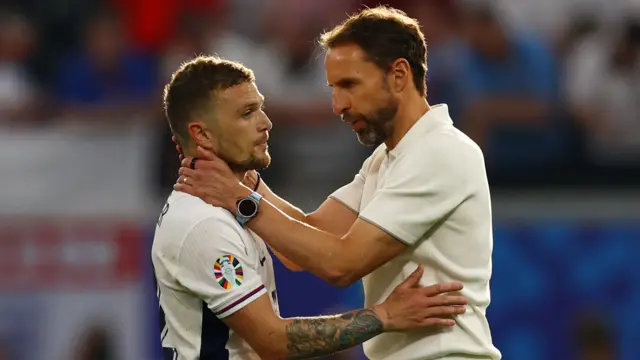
(350, 195)
(419, 192)
(213, 264)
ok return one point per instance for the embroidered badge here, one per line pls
(228, 271)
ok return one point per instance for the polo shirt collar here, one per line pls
(434, 118)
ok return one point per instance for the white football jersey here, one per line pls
(430, 192)
(207, 267)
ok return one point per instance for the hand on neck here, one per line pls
(240, 175)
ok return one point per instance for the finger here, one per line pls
(186, 188)
(441, 288)
(205, 154)
(192, 162)
(186, 161)
(446, 300)
(413, 279)
(444, 311)
(187, 175)
(185, 180)
(178, 147)
(438, 322)
(181, 157)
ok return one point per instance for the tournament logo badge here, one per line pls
(228, 271)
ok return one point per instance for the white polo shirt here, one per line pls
(430, 192)
(207, 267)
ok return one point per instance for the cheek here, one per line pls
(233, 148)
(365, 103)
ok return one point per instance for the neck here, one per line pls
(240, 175)
(408, 114)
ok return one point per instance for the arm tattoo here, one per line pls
(312, 337)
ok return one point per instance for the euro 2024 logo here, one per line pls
(228, 271)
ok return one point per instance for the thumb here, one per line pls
(414, 279)
(206, 154)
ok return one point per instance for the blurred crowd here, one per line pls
(550, 88)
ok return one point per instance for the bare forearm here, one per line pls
(282, 204)
(326, 219)
(312, 337)
(315, 250)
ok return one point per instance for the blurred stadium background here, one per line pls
(83, 137)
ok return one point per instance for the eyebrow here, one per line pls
(253, 104)
(344, 81)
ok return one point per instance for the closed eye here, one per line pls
(347, 84)
(247, 114)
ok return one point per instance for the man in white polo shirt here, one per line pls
(421, 198)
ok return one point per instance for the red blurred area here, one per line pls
(54, 254)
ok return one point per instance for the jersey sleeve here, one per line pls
(350, 195)
(213, 263)
(419, 191)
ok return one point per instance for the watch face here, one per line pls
(247, 208)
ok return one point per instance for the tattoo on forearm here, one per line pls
(312, 337)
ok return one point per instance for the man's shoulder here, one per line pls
(446, 142)
(446, 153)
(184, 215)
(184, 211)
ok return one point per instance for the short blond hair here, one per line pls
(191, 91)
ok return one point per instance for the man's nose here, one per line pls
(339, 104)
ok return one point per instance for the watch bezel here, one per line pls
(239, 206)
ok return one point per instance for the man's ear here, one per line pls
(202, 136)
(399, 75)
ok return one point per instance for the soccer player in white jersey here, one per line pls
(215, 277)
(421, 198)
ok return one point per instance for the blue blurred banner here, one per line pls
(551, 276)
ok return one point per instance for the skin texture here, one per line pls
(237, 130)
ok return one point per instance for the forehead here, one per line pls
(239, 95)
(348, 61)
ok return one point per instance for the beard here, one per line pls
(378, 124)
(254, 162)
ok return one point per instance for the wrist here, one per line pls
(383, 315)
(239, 193)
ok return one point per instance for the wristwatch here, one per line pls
(247, 208)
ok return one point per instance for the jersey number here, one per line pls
(165, 208)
